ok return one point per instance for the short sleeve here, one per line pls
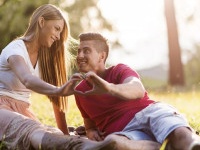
(16, 47)
(123, 71)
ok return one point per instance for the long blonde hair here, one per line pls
(52, 61)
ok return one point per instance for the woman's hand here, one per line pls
(69, 87)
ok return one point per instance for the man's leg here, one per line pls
(183, 138)
(123, 143)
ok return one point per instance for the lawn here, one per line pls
(187, 103)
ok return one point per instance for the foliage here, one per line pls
(83, 16)
(14, 15)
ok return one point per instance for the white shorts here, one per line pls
(154, 123)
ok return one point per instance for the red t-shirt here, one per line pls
(111, 114)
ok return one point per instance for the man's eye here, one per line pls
(86, 51)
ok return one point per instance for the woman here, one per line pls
(39, 53)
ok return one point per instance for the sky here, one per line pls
(142, 32)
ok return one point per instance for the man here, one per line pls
(115, 105)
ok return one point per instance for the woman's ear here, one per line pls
(41, 21)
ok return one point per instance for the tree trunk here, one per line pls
(176, 75)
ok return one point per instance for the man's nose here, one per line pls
(80, 54)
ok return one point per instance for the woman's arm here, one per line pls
(34, 83)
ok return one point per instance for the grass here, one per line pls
(187, 103)
(42, 108)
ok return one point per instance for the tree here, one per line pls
(176, 75)
(14, 15)
(83, 16)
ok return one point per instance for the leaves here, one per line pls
(15, 14)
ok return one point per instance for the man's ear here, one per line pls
(41, 21)
(103, 56)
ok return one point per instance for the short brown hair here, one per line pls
(103, 42)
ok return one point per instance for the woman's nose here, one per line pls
(58, 36)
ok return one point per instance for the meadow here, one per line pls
(187, 102)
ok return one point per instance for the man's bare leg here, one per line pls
(182, 138)
(123, 143)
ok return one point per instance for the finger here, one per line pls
(83, 75)
(78, 76)
(89, 92)
(93, 138)
(98, 138)
(78, 92)
(101, 133)
(94, 79)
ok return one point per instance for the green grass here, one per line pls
(187, 103)
(42, 108)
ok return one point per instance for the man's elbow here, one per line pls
(139, 91)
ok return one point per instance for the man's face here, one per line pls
(88, 58)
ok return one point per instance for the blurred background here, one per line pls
(158, 38)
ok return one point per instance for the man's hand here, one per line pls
(99, 86)
(131, 88)
(95, 135)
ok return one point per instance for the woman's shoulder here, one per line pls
(15, 47)
(15, 44)
(19, 42)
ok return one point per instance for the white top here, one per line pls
(10, 85)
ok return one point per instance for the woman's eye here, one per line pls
(57, 28)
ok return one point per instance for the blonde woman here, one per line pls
(36, 62)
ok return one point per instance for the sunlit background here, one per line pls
(141, 27)
(136, 29)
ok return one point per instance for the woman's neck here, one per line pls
(32, 47)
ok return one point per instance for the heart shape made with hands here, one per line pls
(79, 77)
(96, 85)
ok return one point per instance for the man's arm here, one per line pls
(131, 88)
(89, 124)
(91, 130)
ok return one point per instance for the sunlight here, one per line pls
(133, 18)
(141, 27)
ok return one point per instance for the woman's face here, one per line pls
(50, 31)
